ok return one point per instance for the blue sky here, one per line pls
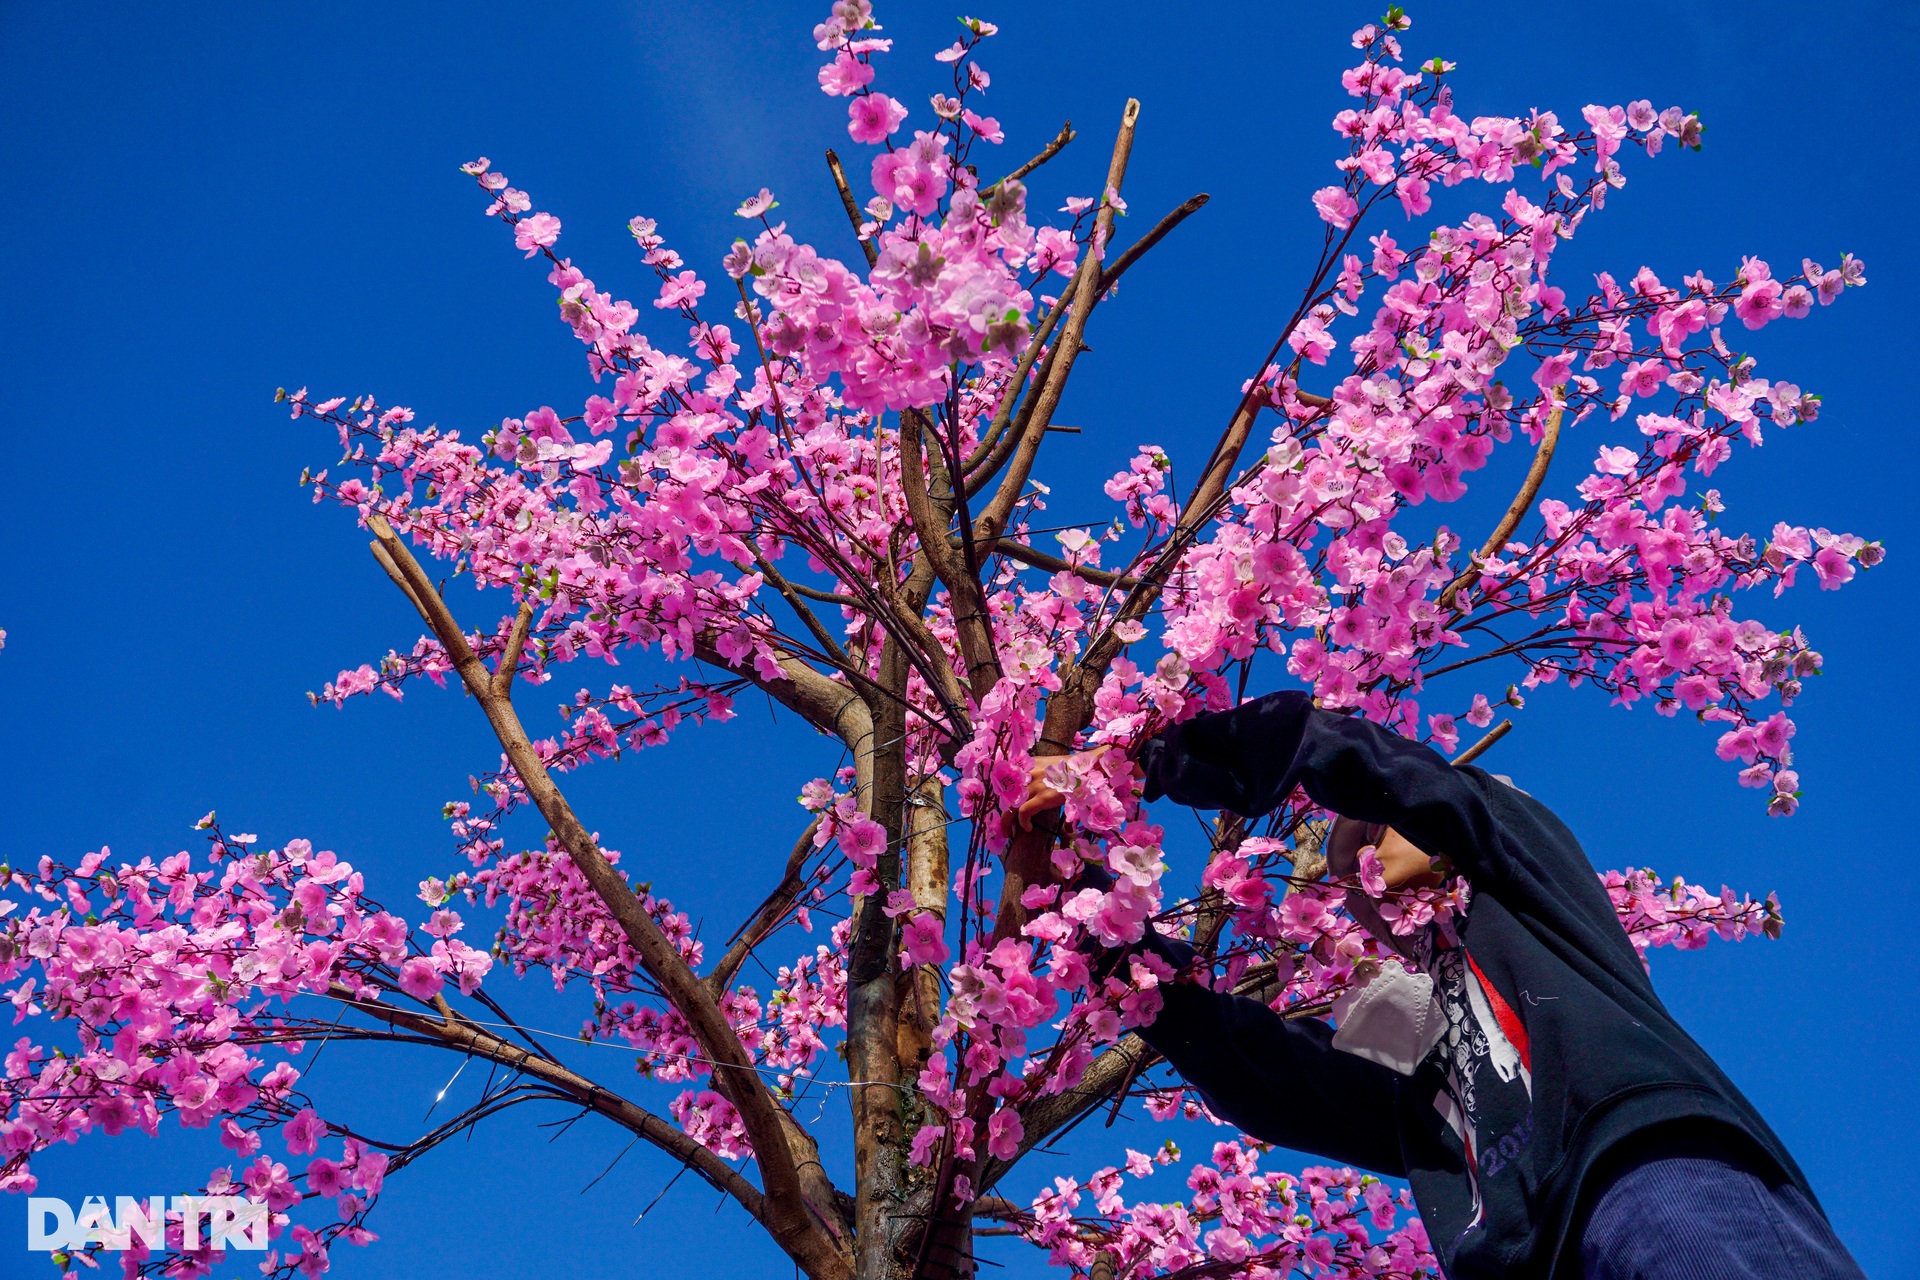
(212, 201)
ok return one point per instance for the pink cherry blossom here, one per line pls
(873, 116)
(845, 75)
(536, 233)
(757, 206)
(418, 979)
(304, 1132)
(1336, 207)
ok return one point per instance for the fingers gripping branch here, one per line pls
(787, 1218)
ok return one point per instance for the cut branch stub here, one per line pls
(1047, 153)
(852, 206)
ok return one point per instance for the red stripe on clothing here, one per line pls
(1509, 1020)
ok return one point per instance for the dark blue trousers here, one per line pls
(1707, 1217)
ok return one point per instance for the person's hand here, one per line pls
(1041, 795)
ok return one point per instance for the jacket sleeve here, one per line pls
(1249, 760)
(1280, 1080)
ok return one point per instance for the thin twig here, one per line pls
(770, 912)
(807, 617)
(1047, 153)
(1053, 564)
(656, 1200)
(323, 1044)
(616, 1160)
(443, 1088)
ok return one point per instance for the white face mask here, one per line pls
(1393, 1020)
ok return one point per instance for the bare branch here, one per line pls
(1475, 751)
(1517, 509)
(930, 524)
(405, 1153)
(828, 705)
(1043, 1119)
(852, 206)
(807, 616)
(786, 1215)
(1053, 564)
(399, 579)
(769, 914)
(509, 664)
(456, 1033)
(824, 597)
(812, 694)
(927, 877)
(999, 1208)
(1309, 851)
(996, 446)
(993, 520)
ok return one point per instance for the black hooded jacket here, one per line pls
(1498, 1189)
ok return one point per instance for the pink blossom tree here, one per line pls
(821, 485)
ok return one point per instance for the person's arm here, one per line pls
(1280, 1079)
(1250, 758)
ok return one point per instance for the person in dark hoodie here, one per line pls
(1550, 1115)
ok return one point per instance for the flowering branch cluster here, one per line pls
(175, 980)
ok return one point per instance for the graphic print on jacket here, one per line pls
(1482, 1054)
(1486, 1080)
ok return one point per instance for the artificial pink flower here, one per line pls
(304, 1131)
(1335, 207)
(536, 233)
(845, 75)
(873, 117)
(757, 206)
(418, 979)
